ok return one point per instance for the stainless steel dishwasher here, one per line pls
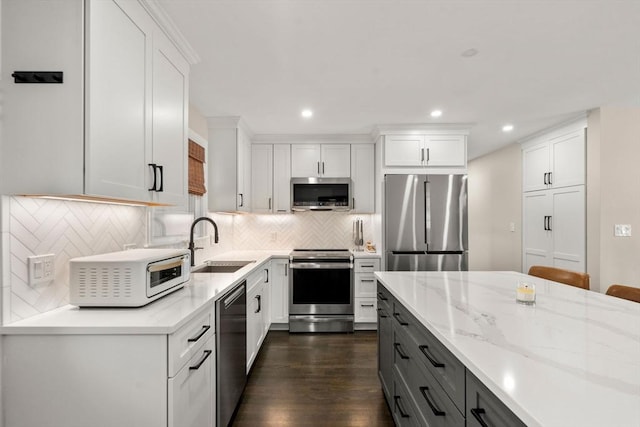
(231, 352)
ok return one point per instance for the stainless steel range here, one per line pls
(321, 290)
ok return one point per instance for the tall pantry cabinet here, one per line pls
(554, 204)
(116, 126)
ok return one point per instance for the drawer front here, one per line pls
(191, 391)
(365, 285)
(366, 265)
(484, 407)
(402, 407)
(433, 355)
(185, 341)
(366, 310)
(385, 299)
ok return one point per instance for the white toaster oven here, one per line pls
(129, 278)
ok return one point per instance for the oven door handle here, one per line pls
(322, 265)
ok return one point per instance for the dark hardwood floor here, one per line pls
(315, 380)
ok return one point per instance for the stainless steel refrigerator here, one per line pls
(425, 220)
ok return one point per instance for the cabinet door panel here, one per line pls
(536, 240)
(262, 178)
(535, 164)
(403, 150)
(279, 299)
(281, 178)
(305, 160)
(118, 105)
(362, 175)
(191, 390)
(170, 95)
(568, 228)
(335, 160)
(568, 154)
(445, 150)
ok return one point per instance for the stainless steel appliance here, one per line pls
(321, 290)
(321, 194)
(231, 352)
(130, 278)
(425, 221)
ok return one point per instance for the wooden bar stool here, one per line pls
(624, 292)
(568, 277)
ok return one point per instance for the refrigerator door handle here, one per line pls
(427, 213)
(408, 252)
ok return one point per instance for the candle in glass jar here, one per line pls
(526, 293)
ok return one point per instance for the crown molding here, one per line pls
(171, 30)
(312, 138)
(579, 119)
(230, 122)
(407, 129)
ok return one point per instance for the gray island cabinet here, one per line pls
(455, 349)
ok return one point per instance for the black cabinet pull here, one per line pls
(550, 180)
(549, 223)
(161, 188)
(545, 179)
(382, 297)
(403, 414)
(434, 362)
(322, 168)
(437, 412)
(402, 322)
(477, 414)
(259, 298)
(207, 353)
(318, 168)
(366, 305)
(269, 203)
(399, 351)
(266, 270)
(153, 166)
(241, 200)
(203, 331)
(380, 311)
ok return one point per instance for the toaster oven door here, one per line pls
(165, 274)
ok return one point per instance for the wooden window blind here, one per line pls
(196, 169)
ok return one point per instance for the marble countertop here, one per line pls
(572, 359)
(163, 316)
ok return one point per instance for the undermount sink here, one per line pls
(222, 266)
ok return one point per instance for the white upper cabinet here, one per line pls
(262, 178)
(554, 161)
(229, 171)
(281, 178)
(132, 143)
(425, 150)
(362, 176)
(320, 160)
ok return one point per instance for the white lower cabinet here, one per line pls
(554, 228)
(365, 302)
(191, 391)
(279, 291)
(258, 320)
(106, 380)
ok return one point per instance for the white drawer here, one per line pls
(188, 339)
(365, 310)
(365, 285)
(366, 265)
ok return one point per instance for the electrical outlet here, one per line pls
(41, 269)
(622, 230)
(512, 227)
(274, 236)
(128, 246)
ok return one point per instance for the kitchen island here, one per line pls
(572, 359)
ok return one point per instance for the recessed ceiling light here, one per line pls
(307, 113)
(469, 53)
(436, 113)
(507, 128)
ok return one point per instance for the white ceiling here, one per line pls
(358, 63)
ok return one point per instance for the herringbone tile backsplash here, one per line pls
(31, 226)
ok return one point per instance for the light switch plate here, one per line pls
(622, 230)
(41, 269)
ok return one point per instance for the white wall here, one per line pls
(495, 202)
(619, 196)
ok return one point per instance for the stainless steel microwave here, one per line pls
(321, 194)
(130, 278)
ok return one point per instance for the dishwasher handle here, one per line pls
(234, 296)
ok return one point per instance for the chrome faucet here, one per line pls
(192, 247)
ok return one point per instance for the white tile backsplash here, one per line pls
(32, 226)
